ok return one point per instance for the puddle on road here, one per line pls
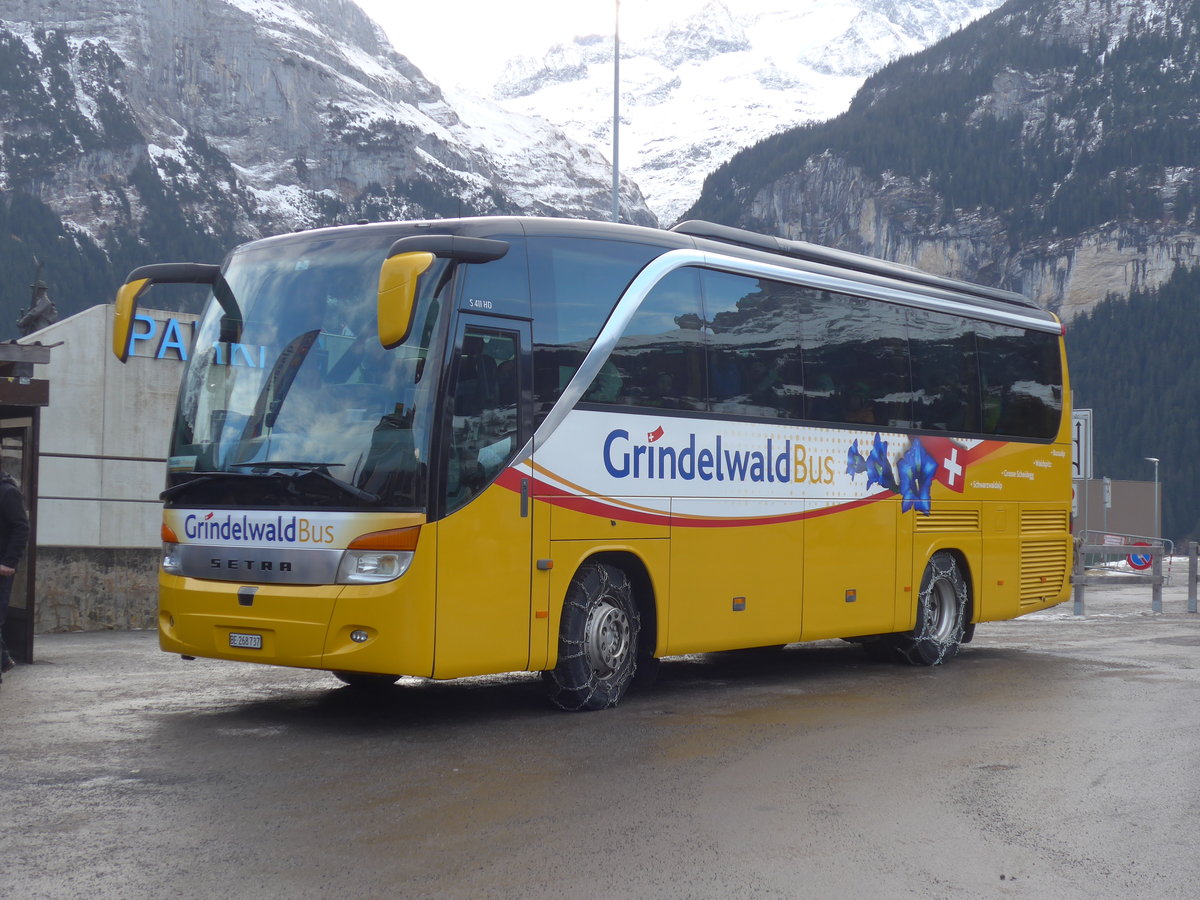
(1189, 640)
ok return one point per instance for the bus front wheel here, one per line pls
(598, 640)
(941, 616)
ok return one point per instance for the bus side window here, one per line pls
(659, 361)
(1020, 377)
(856, 366)
(753, 335)
(574, 284)
(945, 372)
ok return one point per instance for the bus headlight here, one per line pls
(373, 566)
(170, 551)
(379, 556)
(170, 559)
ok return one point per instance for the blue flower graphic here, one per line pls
(917, 470)
(855, 461)
(916, 467)
(879, 470)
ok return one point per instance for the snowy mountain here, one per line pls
(143, 129)
(1049, 148)
(720, 78)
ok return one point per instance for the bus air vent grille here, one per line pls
(945, 520)
(1042, 520)
(1043, 570)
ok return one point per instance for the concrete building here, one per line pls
(103, 461)
(1120, 508)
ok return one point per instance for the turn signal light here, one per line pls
(392, 539)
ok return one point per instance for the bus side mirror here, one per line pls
(127, 298)
(407, 260)
(397, 294)
(136, 284)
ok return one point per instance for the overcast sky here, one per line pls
(466, 42)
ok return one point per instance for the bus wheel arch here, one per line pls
(598, 638)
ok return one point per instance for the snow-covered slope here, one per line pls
(719, 78)
(292, 111)
(134, 130)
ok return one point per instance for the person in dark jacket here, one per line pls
(14, 535)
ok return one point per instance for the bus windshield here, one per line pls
(298, 405)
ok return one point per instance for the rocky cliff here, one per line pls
(1050, 148)
(138, 129)
(831, 202)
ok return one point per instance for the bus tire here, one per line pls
(366, 681)
(941, 615)
(597, 642)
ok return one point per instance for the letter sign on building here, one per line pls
(161, 339)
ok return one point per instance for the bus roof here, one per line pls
(844, 259)
(707, 236)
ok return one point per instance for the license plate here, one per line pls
(245, 641)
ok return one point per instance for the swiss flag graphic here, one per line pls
(952, 461)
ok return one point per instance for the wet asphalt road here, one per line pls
(1057, 757)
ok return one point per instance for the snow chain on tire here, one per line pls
(941, 617)
(598, 640)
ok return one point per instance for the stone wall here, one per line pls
(96, 588)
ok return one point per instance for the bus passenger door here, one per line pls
(484, 538)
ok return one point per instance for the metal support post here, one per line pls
(1077, 571)
(1156, 583)
(1193, 555)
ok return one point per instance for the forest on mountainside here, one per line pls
(1134, 363)
(1091, 139)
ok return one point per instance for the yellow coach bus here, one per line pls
(450, 448)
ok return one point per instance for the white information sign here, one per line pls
(1081, 443)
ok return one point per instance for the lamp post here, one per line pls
(1157, 524)
(616, 185)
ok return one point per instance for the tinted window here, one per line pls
(485, 396)
(944, 372)
(1020, 375)
(742, 346)
(659, 360)
(855, 360)
(753, 346)
(575, 284)
(500, 286)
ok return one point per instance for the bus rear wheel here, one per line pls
(941, 616)
(598, 640)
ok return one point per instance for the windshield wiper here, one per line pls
(274, 465)
(201, 478)
(308, 469)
